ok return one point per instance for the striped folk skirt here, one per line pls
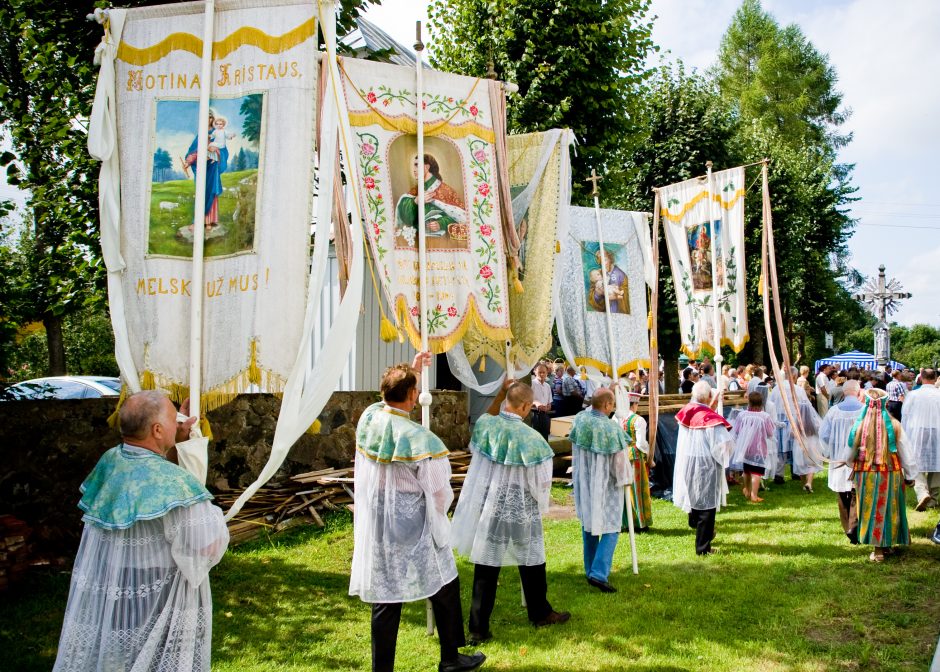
(882, 517)
(642, 504)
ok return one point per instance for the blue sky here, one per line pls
(886, 58)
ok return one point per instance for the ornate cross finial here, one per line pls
(594, 179)
(882, 297)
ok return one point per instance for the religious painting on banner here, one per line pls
(259, 133)
(692, 230)
(581, 310)
(466, 269)
(540, 178)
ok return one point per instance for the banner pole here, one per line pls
(716, 309)
(199, 219)
(425, 397)
(628, 490)
(653, 389)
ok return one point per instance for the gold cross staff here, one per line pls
(594, 179)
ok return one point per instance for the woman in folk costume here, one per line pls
(601, 469)
(638, 448)
(802, 457)
(834, 433)
(401, 532)
(881, 466)
(498, 521)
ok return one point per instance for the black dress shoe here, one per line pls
(602, 585)
(477, 638)
(462, 663)
(553, 618)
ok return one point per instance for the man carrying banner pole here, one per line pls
(628, 494)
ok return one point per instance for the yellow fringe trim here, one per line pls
(204, 427)
(388, 331)
(439, 345)
(605, 368)
(315, 428)
(409, 126)
(113, 418)
(245, 36)
(219, 395)
(254, 371)
(694, 354)
(727, 205)
(483, 364)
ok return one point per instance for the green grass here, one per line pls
(164, 224)
(786, 593)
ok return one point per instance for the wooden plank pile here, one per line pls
(14, 550)
(304, 498)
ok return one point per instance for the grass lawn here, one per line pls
(786, 593)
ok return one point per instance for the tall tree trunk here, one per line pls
(56, 345)
(671, 372)
(757, 343)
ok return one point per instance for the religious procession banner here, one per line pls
(581, 308)
(259, 186)
(690, 232)
(540, 179)
(466, 267)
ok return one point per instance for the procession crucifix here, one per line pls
(882, 298)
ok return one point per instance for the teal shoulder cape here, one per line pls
(506, 439)
(597, 433)
(385, 436)
(130, 484)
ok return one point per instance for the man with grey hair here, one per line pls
(834, 434)
(703, 451)
(140, 595)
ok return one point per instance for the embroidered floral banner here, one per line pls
(690, 233)
(259, 186)
(540, 178)
(581, 311)
(465, 261)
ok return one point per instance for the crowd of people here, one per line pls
(140, 591)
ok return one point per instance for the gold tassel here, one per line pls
(557, 247)
(388, 331)
(483, 364)
(760, 285)
(315, 428)
(653, 342)
(204, 427)
(113, 418)
(649, 321)
(516, 282)
(146, 381)
(254, 371)
(584, 375)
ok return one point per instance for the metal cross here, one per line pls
(594, 179)
(882, 299)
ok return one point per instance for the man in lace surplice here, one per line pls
(402, 549)
(139, 598)
(498, 521)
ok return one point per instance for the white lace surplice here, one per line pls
(140, 597)
(921, 421)
(402, 547)
(803, 460)
(834, 434)
(499, 519)
(599, 480)
(702, 455)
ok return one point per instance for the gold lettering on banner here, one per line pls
(229, 75)
(173, 286)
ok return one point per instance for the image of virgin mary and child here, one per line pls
(700, 254)
(216, 164)
(444, 211)
(617, 288)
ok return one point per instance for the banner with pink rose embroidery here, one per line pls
(466, 266)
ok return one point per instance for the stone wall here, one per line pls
(50, 446)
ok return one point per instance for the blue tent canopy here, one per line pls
(856, 358)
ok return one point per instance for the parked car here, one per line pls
(63, 387)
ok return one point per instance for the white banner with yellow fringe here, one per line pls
(691, 223)
(580, 310)
(466, 269)
(259, 186)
